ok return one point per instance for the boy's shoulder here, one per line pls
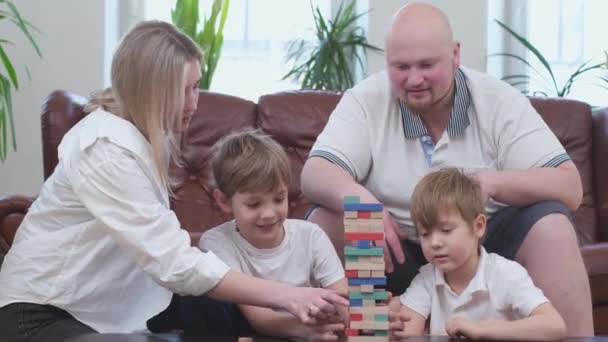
(222, 232)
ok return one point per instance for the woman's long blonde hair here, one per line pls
(148, 82)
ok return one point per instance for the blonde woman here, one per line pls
(100, 250)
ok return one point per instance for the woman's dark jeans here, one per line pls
(38, 323)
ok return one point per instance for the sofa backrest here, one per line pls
(295, 119)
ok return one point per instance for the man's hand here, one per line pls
(487, 183)
(458, 326)
(393, 236)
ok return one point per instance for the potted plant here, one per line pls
(552, 88)
(8, 76)
(327, 63)
(186, 17)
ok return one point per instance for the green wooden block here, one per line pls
(351, 199)
(380, 295)
(381, 318)
(380, 332)
(351, 258)
(374, 251)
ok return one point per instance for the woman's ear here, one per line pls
(222, 201)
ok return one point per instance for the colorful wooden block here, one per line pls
(369, 325)
(373, 251)
(364, 214)
(366, 339)
(363, 236)
(351, 332)
(371, 207)
(378, 274)
(368, 303)
(356, 317)
(366, 281)
(351, 214)
(380, 332)
(366, 288)
(364, 266)
(356, 302)
(352, 199)
(351, 258)
(381, 318)
(376, 310)
(378, 295)
(374, 214)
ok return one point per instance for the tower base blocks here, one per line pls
(364, 264)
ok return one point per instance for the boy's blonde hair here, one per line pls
(445, 190)
(148, 80)
(249, 161)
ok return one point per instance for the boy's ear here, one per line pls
(479, 225)
(222, 201)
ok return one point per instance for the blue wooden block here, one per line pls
(366, 281)
(364, 244)
(356, 302)
(363, 207)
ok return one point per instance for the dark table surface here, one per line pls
(178, 338)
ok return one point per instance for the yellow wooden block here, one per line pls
(369, 325)
(367, 310)
(350, 214)
(366, 288)
(364, 274)
(367, 339)
(364, 266)
(376, 214)
(377, 274)
(351, 229)
(369, 302)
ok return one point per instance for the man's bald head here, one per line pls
(421, 20)
(422, 57)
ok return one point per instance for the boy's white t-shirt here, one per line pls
(500, 289)
(305, 257)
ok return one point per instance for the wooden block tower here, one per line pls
(364, 265)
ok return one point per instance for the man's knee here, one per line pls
(554, 231)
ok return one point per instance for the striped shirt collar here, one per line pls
(459, 120)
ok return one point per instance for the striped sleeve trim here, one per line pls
(556, 161)
(334, 159)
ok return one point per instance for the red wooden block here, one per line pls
(351, 332)
(352, 274)
(356, 317)
(364, 214)
(363, 236)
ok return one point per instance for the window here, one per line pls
(570, 33)
(255, 42)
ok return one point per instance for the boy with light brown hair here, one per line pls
(466, 291)
(251, 174)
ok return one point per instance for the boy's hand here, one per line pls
(308, 304)
(397, 325)
(458, 326)
(324, 332)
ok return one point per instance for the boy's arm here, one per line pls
(341, 287)
(284, 324)
(412, 322)
(543, 324)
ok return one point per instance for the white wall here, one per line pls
(72, 44)
(468, 19)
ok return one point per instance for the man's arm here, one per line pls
(521, 188)
(543, 324)
(326, 184)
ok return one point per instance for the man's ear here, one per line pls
(479, 225)
(222, 201)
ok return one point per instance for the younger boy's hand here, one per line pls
(458, 326)
(397, 325)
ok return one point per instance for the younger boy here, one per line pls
(251, 174)
(466, 291)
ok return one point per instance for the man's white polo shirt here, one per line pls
(500, 289)
(373, 136)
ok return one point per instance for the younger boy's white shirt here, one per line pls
(100, 241)
(305, 257)
(500, 289)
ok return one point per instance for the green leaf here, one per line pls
(532, 49)
(23, 26)
(9, 67)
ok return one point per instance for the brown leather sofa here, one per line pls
(295, 119)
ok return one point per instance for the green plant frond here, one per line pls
(9, 68)
(23, 26)
(511, 77)
(519, 58)
(532, 49)
(185, 16)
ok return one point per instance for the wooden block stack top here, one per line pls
(364, 264)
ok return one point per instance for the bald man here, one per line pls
(425, 111)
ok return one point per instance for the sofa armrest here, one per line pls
(600, 165)
(12, 211)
